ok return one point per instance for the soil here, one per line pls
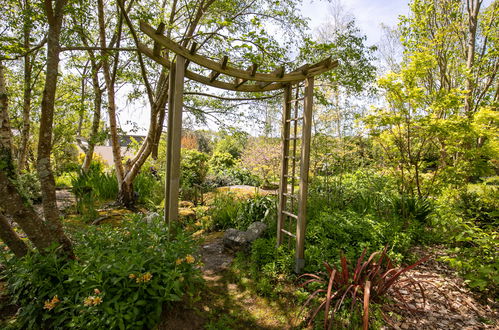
(447, 303)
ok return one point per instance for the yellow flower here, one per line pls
(92, 301)
(146, 277)
(132, 276)
(96, 291)
(189, 259)
(48, 305)
(97, 300)
(88, 301)
(179, 261)
(198, 224)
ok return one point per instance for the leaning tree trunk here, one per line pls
(12, 204)
(10, 238)
(54, 16)
(111, 102)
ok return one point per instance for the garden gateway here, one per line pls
(298, 103)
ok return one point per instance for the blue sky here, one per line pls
(369, 14)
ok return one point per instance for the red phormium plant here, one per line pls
(369, 280)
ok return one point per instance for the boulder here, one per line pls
(150, 217)
(235, 240)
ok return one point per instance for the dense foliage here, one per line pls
(98, 289)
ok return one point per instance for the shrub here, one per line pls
(28, 186)
(472, 238)
(230, 212)
(149, 187)
(122, 276)
(367, 281)
(224, 211)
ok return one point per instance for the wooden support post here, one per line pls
(176, 131)
(169, 135)
(283, 183)
(304, 168)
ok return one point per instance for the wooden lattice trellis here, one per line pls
(292, 206)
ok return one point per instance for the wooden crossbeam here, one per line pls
(171, 45)
(251, 70)
(278, 73)
(214, 74)
(157, 47)
(206, 80)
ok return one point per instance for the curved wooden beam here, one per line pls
(298, 75)
(206, 80)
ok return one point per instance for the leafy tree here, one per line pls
(427, 129)
(263, 157)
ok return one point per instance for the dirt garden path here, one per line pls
(449, 303)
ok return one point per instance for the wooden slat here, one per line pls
(277, 73)
(169, 137)
(205, 80)
(251, 70)
(296, 100)
(288, 233)
(317, 68)
(289, 214)
(223, 65)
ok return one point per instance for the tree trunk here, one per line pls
(10, 238)
(6, 162)
(11, 203)
(473, 8)
(28, 69)
(97, 115)
(7, 234)
(54, 16)
(111, 104)
(24, 215)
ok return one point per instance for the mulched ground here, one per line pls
(448, 303)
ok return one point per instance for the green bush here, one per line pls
(224, 211)
(193, 173)
(229, 212)
(28, 186)
(121, 278)
(150, 188)
(225, 170)
(467, 223)
(268, 264)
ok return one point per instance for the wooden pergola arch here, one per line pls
(291, 206)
